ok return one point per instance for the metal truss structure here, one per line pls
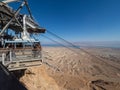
(20, 50)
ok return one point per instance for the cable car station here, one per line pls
(22, 49)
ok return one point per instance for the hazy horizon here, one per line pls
(112, 44)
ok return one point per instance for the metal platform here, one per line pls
(15, 59)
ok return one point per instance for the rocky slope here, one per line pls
(63, 69)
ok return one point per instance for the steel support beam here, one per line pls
(16, 13)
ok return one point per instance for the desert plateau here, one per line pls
(85, 69)
(59, 44)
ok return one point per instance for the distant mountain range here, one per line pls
(115, 44)
(111, 44)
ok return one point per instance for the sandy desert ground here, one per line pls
(63, 69)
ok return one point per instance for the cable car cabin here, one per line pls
(20, 54)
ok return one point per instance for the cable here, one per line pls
(62, 39)
(53, 34)
(29, 11)
(77, 47)
(60, 44)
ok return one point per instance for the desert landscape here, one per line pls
(68, 45)
(75, 69)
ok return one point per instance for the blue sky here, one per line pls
(79, 20)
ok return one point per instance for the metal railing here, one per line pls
(8, 57)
